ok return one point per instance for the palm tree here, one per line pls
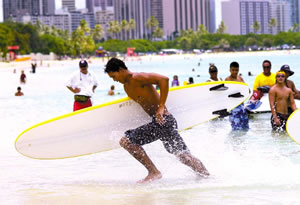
(84, 26)
(222, 28)
(158, 33)
(202, 29)
(152, 24)
(272, 24)
(98, 32)
(132, 25)
(114, 28)
(125, 29)
(295, 27)
(256, 26)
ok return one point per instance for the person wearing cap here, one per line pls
(280, 97)
(290, 83)
(238, 116)
(213, 72)
(266, 78)
(83, 85)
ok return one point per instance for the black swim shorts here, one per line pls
(153, 131)
(282, 118)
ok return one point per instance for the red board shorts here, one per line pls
(81, 105)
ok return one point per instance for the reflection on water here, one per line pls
(253, 167)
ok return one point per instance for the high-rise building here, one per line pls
(188, 14)
(281, 12)
(254, 11)
(15, 9)
(295, 11)
(248, 12)
(77, 16)
(139, 11)
(172, 15)
(48, 7)
(100, 4)
(69, 4)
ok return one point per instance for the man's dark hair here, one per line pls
(234, 64)
(267, 61)
(114, 65)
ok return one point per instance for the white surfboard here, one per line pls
(264, 105)
(99, 128)
(292, 126)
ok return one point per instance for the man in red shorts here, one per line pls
(83, 85)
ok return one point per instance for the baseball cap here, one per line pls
(286, 69)
(212, 69)
(83, 64)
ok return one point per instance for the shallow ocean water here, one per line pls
(254, 167)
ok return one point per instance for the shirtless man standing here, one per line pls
(139, 87)
(238, 116)
(234, 73)
(280, 98)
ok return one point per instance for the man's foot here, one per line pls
(150, 178)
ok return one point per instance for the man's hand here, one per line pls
(76, 90)
(159, 115)
(277, 121)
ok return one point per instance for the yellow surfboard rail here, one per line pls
(287, 123)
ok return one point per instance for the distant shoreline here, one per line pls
(26, 65)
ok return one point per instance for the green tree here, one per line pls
(202, 29)
(185, 43)
(82, 39)
(114, 28)
(256, 26)
(272, 24)
(295, 27)
(222, 28)
(6, 38)
(250, 42)
(158, 33)
(152, 23)
(224, 43)
(125, 28)
(267, 42)
(97, 32)
(132, 26)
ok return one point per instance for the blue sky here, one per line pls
(81, 4)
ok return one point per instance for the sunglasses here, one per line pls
(266, 66)
(280, 76)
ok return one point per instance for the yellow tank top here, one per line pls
(262, 80)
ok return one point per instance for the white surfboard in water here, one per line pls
(99, 128)
(292, 126)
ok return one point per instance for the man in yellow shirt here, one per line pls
(266, 78)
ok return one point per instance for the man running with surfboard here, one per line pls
(139, 87)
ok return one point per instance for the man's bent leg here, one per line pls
(139, 153)
(191, 161)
